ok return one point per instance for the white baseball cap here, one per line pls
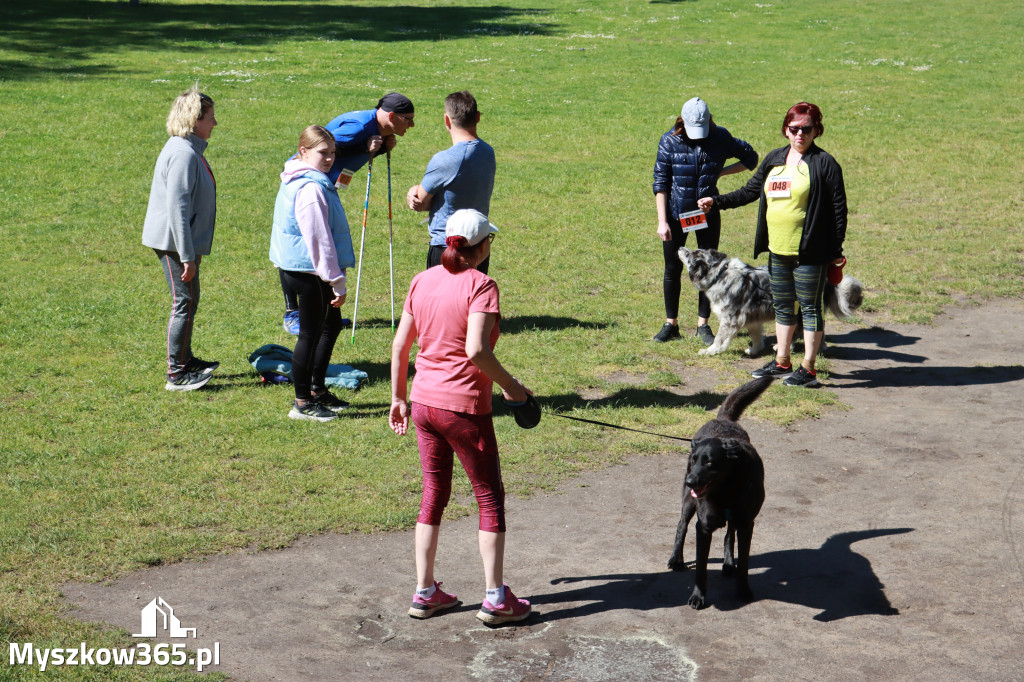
(696, 118)
(469, 223)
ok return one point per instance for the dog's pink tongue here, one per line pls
(693, 492)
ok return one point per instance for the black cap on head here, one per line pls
(393, 101)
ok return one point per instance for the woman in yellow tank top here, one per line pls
(802, 224)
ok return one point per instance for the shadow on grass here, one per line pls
(883, 338)
(523, 323)
(907, 377)
(832, 578)
(576, 407)
(59, 36)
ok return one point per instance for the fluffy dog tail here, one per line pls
(845, 298)
(742, 397)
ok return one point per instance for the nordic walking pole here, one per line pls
(362, 241)
(391, 246)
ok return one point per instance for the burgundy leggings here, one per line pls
(440, 433)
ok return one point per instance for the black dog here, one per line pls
(724, 485)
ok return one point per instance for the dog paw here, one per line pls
(677, 565)
(696, 601)
(710, 350)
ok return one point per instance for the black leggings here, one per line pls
(706, 239)
(319, 326)
(291, 302)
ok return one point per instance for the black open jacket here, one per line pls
(825, 226)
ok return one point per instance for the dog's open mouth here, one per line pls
(699, 492)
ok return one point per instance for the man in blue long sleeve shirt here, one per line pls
(357, 135)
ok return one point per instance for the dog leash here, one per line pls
(616, 426)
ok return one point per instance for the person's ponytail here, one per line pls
(455, 258)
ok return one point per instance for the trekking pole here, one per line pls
(391, 246)
(362, 241)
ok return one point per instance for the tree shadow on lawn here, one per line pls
(832, 578)
(59, 36)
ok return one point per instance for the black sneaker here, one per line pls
(801, 377)
(187, 381)
(667, 333)
(313, 411)
(330, 401)
(201, 366)
(704, 333)
(772, 369)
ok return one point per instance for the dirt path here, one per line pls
(891, 545)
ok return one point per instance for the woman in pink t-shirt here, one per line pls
(452, 313)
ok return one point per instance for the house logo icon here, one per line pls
(158, 615)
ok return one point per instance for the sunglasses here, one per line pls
(407, 119)
(806, 130)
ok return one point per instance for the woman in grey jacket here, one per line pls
(179, 228)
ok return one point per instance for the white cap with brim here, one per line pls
(469, 223)
(696, 118)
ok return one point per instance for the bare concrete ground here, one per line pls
(890, 546)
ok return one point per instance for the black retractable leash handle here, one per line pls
(527, 415)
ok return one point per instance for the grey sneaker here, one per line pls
(704, 333)
(187, 380)
(312, 411)
(667, 333)
(772, 369)
(801, 377)
(202, 366)
(330, 401)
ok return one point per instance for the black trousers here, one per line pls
(706, 239)
(319, 327)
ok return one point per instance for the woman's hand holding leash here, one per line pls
(516, 393)
(705, 204)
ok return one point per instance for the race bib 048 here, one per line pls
(779, 187)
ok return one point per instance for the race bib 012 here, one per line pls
(693, 220)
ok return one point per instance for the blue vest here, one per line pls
(287, 250)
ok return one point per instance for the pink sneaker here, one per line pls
(439, 601)
(514, 609)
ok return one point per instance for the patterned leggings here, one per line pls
(440, 433)
(792, 284)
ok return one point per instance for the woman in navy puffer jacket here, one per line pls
(691, 158)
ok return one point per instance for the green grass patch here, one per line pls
(103, 472)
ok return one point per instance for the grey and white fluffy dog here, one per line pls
(741, 296)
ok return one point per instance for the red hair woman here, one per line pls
(452, 313)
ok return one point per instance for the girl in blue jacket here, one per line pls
(691, 158)
(311, 245)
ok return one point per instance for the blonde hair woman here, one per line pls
(179, 228)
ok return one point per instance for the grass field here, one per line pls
(103, 472)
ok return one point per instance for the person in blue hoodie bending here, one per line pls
(311, 245)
